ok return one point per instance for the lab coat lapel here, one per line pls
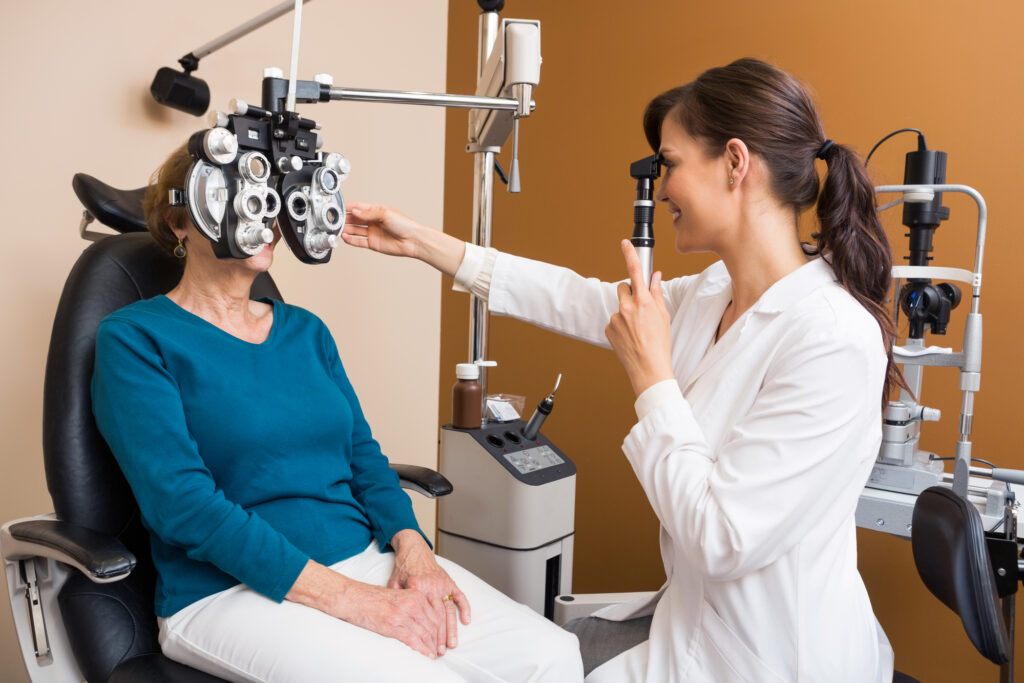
(695, 329)
(774, 301)
(720, 348)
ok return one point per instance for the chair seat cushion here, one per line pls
(156, 667)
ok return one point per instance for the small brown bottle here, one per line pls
(467, 397)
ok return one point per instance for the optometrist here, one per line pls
(759, 385)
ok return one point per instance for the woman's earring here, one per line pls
(179, 250)
(731, 180)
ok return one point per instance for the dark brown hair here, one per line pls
(774, 116)
(156, 208)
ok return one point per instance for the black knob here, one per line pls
(491, 5)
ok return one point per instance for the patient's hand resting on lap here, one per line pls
(412, 608)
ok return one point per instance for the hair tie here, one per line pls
(825, 149)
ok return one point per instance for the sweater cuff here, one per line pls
(475, 271)
(293, 565)
(387, 530)
(656, 396)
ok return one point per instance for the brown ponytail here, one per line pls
(853, 241)
(774, 116)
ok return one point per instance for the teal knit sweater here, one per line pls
(246, 459)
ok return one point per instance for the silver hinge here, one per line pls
(35, 611)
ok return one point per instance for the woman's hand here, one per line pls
(385, 230)
(416, 568)
(639, 332)
(405, 615)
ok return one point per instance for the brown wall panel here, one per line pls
(951, 69)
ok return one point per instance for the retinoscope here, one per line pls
(645, 171)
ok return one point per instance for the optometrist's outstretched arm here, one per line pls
(545, 295)
(385, 230)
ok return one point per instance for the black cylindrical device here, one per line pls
(544, 409)
(645, 171)
(924, 167)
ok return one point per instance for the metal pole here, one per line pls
(425, 98)
(485, 41)
(246, 28)
(483, 194)
(293, 72)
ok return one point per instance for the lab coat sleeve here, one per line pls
(139, 411)
(559, 299)
(777, 471)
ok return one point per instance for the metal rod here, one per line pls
(483, 195)
(485, 43)
(246, 28)
(425, 98)
(296, 29)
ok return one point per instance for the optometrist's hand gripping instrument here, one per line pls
(645, 171)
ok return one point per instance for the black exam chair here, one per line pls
(83, 579)
(968, 571)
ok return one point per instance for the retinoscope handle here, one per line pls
(645, 171)
(544, 408)
(532, 427)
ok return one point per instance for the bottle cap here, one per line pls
(467, 371)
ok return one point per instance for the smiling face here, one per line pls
(696, 188)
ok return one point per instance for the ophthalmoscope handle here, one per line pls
(645, 171)
(544, 408)
(532, 427)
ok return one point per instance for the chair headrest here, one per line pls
(118, 209)
(952, 559)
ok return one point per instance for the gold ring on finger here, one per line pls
(447, 597)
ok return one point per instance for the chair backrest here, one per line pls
(953, 561)
(107, 623)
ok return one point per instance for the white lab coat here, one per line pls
(753, 470)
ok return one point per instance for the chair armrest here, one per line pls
(423, 480)
(100, 557)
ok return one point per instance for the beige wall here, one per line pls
(951, 68)
(76, 98)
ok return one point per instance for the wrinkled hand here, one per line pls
(382, 229)
(417, 569)
(405, 615)
(639, 332)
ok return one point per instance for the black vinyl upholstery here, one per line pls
(952, 558)
(111, 627)
(120, 209)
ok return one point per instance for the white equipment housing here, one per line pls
(510, 518)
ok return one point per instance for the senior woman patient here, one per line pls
(285, 549)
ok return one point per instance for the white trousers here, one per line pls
(241, 635)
